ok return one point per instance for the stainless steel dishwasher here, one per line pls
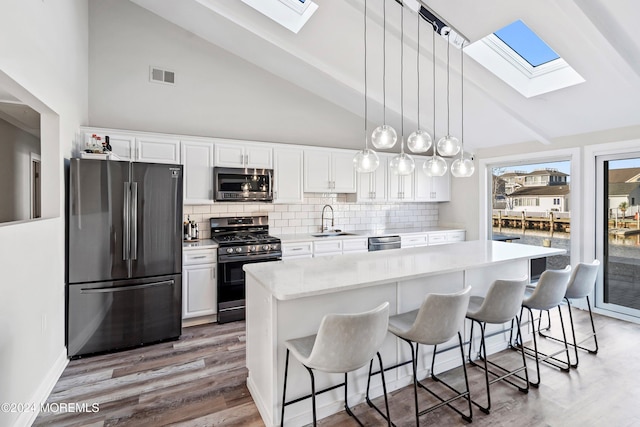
(383, 243)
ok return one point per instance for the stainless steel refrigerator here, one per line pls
(124, 255)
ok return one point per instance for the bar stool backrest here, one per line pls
(583, 279)
(503, 301)
(346, 342)
(550, 289)
(439, 317)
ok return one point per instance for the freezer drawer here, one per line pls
(108, 316)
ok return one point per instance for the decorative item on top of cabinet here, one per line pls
(122, 145)
(199, 290)
(329, 171)
(287, 175)
(237, 154)
(197, 158)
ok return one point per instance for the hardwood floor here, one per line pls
(200, 380)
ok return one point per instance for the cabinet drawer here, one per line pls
(199, 256)
(413, 241)
(437, 238)
(355, 245)
(456, 236)
(327, 247)
(298, 250)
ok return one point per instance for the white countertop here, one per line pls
(292, 238)
(199, 244)
(293, 279)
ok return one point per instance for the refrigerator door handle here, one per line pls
(134, 220)
(126, 288)
(126, 238)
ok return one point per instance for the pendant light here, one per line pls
(448, 145)
(419, 141)
(402, 164)
(365, 161)
(435, 165)
(384, 136)
(462, 167)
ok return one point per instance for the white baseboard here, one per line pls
(27, 418)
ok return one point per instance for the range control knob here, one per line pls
(238, 249)
(229, 250)
(252, 249)
(266, 247)
(274, 246)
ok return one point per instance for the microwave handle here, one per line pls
(270, 184)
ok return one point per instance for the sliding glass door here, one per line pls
(618, 232)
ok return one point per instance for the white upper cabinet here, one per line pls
(237, 154)
(400, 186)
(329, 171)
(432, 188)
(152, 149)
(372, 187)
(197, 158)
(287, 175)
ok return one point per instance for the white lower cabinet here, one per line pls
(444, 237)
(296, 250)
(199, 290)
(327, 247)
(355, 245)
(414, 240)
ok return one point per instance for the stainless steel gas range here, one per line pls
(241, 240)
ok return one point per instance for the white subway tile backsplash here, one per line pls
(305, 217)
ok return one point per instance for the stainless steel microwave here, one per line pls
(243, 184)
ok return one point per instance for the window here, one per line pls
(531, 204)
(523, 60)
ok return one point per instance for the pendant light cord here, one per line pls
(401, 77)
(433, 55)
(462, 102)
(384, 63)
(418, 68)
(366, 139)
(448, 112)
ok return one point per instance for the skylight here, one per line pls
(526, 43)
(521, 59)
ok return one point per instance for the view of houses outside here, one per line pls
(531, 206)
(622, 249)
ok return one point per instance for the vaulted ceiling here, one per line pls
(598, 38)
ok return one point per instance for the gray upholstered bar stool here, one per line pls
(501, 305)
(547, 294)
(581, 284)
(438, 319)
(344, 343)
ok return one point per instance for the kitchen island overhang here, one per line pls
(287, 299)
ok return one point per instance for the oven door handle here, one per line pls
(273, 256)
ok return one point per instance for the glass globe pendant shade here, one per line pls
(383, 137)
(462, 168)
(419, 141)
(402, 164)
(435, 166)
(366, 161)
(448, 146)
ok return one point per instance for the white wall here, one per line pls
(216, 94)
(15, 162)
(43, 62)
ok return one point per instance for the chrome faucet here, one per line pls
(322, 227)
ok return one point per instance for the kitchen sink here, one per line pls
(333, 234)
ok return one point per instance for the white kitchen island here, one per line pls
(287, 300)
